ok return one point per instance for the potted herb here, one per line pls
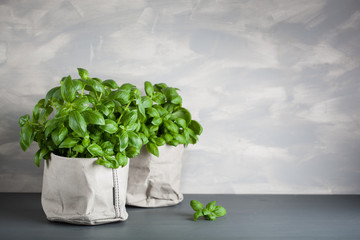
(154, 175)
(86, 129)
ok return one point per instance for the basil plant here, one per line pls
(87, 118)
(166, 121)
(91, 118)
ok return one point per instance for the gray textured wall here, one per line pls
(274, 83)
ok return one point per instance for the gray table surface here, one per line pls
(249, 217)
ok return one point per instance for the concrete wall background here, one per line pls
(275, 84)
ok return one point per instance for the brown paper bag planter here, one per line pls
(155, 181)
(79, 191)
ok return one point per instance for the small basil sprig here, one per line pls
(211, 212)
(165, 120)
(92, 119)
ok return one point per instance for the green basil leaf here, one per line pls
(39, 137)
(196, 205)
(37, 158)
(26, 136)
(192, 140)
(132, 151)
(95, 150)
(123, 96)
(134, 139)
(135, 93)
(45, 113)
(149, 89)
(211, 206)
(141, 108)
(63, 111)
(159, 86)
(110, 84)
(81, 104)
(219, 211)
(146, 101)
(24, 119)
(110, 126)
(196, 127)
(68, 89)
(79, 84)
(169, 107)
(166, 116)
(206, 212)
(112, 160)
(59, 134)
(112, 116)
(39, 155)
(92, 99)
(51, 125)
(212, 217)
(104, 162)
(97, 79)
(50, 94)
(36, 110)
(106, 111)
(79, 148)
(132, 126)
(108, 148)
(184, 114)
(158, 141)
(176, 100)
(145, 130)
(171, 95)
(110, 104)
(123, 140)
(57, 96)
(96, 134)
(69, 142)
(152, 148)
(143, 137)
(192, 133)
(86, 141)
(93, 117)
(181, 122)
(172, 127)
(95, 85)
(197, 214)
(77, 123)
(152, 112)
(180, 138)
(127, 86)
(156, 121)
(121, 159)
(129, 117)
(187, 136)
(153, 128)
(56, 103)
(173, 143)
(167, 137)
(159, 98)
(160, 110)
(83, 73)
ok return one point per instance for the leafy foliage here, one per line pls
(91, 118)
(210, 212)
(166, 121)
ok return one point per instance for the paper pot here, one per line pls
(79, 191)
(155, 181)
